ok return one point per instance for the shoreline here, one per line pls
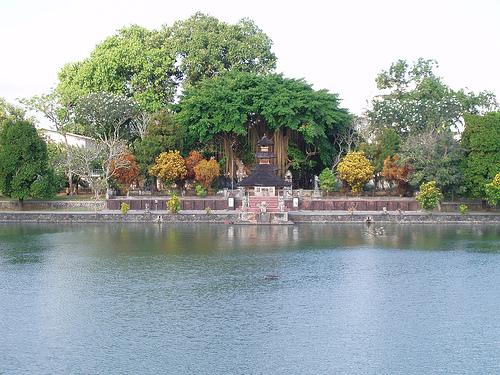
(233, 217)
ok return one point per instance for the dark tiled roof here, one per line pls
(264, 141)
(263, 175)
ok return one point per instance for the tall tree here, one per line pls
(481, 142)
(24, 169)
(150, 65)
(135, 62)
(8, 110)
(386, 144)
(415, 100)
(434, 157)
(162, 133)
(235, 109)
(60, 115)
(87, 165)
(207, 47)
(106, 118)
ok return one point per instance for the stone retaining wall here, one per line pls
(29, 205)
(376, 217)
(101, 217)
(359, 204)
(324, 204)
(233, 217)
(160, 203)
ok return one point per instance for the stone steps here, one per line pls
(272, 204)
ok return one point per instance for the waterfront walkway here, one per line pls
(232, 216)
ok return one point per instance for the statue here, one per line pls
(263, 207)
(281, 204)
(316, 192)
(241, 170)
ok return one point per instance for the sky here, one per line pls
(336, 45)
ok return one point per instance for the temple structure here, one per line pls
(263, 183)
(263, 178)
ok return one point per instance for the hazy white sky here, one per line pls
(337, 45)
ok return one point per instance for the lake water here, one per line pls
(215, 299)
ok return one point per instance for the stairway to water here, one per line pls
(271, 203)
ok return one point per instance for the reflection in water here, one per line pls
(26, 243)
(195, 299)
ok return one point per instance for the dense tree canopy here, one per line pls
(415, 100)
(149, 65)
(481, 142)
(434, 157)
(162, 133)
(135, 62)
(236, 108)
(24, 168)
(207, 47)
(105, 116)
(60, 115)
(8, 110)
(386, 144)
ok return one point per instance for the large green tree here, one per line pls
(435, 157)
(481, 141)
(386, 143)
(415, 100)
(150, 65)
(59, 114)
(135, 62)
(207, 47)
(236, 108)
(24, 169)
(162, 133)
(8, 110)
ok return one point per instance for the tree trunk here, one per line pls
(69, 173)
(70, 182)
(281, 139)
(228, 151)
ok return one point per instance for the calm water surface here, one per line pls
(196, 299)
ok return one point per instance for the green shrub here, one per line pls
(492, 191)
(200, 190)
(463, 209)
(429, 195)
(174, 204)
(327, 180)
(124, 208)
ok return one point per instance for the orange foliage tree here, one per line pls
(395, 172)
(206, 171)
(126, 171)
(191, 160)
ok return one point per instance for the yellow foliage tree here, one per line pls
(205, 172)
(169, 166)
(355, 169)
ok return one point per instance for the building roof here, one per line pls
(264, 141)
(78, 136)
(263, 175)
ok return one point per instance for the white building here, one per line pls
(73, 139)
